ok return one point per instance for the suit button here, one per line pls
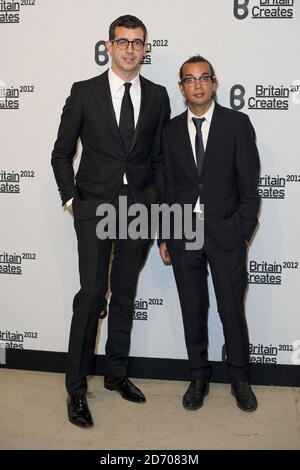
(200, 185)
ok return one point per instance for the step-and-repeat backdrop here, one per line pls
(46, 45)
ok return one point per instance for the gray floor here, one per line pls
(33, 416)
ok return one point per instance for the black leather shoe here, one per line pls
(78, 411)
(245, 398)
(125, 387)
(194, 396)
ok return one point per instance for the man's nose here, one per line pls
(130, 47)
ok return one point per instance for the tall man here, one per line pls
(119, 117)
(210, 153)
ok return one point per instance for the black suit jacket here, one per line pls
(89, 115)
(228, 182)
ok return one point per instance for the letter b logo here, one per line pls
(101, 53)
(240, 9)
(237, 94)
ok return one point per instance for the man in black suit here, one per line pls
(211, 158)
(118, 117)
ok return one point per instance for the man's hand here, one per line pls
(69, 208)
(163, 251)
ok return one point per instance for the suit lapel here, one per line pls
(215, 127)
(104, 100)
(101, 91)
(186, 142)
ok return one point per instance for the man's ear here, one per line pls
(181, 87)
(215, 85)
(109, 45)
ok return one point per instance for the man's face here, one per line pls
(198, 94)
(126, 61)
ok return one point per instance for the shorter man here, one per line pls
(210, 153)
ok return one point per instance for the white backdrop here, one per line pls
(45, 47)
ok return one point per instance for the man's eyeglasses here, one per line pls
(192, 80)
(137, 44)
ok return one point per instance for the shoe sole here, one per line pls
(193, 408)
(114, 389)
(82, 426)
(249, 410)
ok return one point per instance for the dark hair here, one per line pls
(194, 60)
(126, 21)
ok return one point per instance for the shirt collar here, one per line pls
(207, 115)
(116, 83)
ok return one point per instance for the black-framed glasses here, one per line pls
(191, 80)
(122, 43)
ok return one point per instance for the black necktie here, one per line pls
(199, 147)
(126, 124)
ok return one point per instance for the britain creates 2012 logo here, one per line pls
(265, 97)
(263, 9)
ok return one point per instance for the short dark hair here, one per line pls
(126, 21)
(194, 60)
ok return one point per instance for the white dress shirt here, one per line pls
(117, 90)
(204, 129)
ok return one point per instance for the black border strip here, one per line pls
(152, 368)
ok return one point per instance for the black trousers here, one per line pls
(229, 275)
(94, 264)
